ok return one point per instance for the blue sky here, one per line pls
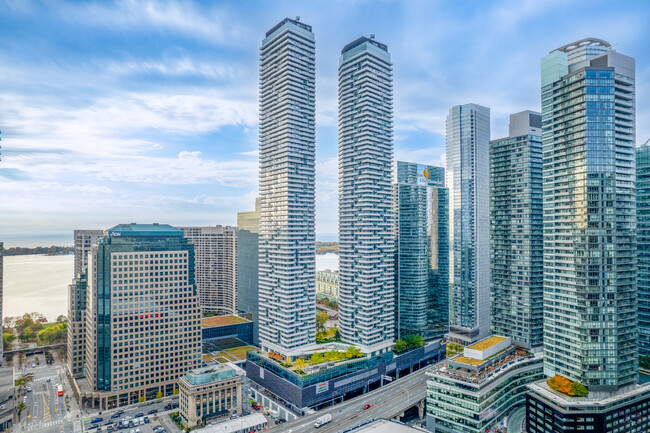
(146, 111)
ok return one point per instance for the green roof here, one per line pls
(144, 230)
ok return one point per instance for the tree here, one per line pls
(7, 339)
(175, 392)
(300, 364)
(62, 319)
(21, 407)
(21, 381)
(320, 337)
(353, 352)
(644, 362)
(413, 341)
(316, 358)
(400, 347)
(142, 399)
(159, 394)
(321, 319)
(331, 355)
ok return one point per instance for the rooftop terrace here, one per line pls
(209, 322)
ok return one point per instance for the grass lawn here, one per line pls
(239, 352)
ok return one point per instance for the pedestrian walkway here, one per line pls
(42, 425)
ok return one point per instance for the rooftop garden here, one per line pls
(299, 365)
(565, 386)
(408, 343)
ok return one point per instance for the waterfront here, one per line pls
(327, 261)
(37, 283)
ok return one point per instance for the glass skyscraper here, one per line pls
(643, 244)
(422, 251)
(588, 145)
(366, 239)
(516, 295)
(248, 257)
(287, 296)
(468, 180)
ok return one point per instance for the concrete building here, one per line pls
(327, 284)
(517, 297)
(209, 393)
(215, 261)
(422, 252)
(246, 424)
(643, 245)
(468, 180)
(7, 398)
(248, 257)
(83, 243)
(366, 217)
(219, 328)
(76, 341)
(142, 316)
(287, 240)
(472, 391)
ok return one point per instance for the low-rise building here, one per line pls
(209, 393)
(548, 411)
(7, 398)
(470, 392)
(327, 284)
(246, 424)
(226, 327)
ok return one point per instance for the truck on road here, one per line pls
(322, 420)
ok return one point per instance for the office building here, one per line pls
(327, 285)
(588, 145)
(225, 332)
(287, 242)
(215, 263)
(142, 316)
(76, 341)
(422, 251)
(1, 292)
(7, 398)
(643, 245)
(468, 180)
(248, 257)
(473, 391)
(516, 302)
(83, 243)
(209, 393)
(366, 217)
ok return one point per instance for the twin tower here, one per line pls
(287, 192)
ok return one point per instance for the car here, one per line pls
(29, 389)
(92, 426)
(152, 411)
(25, 399)
(126, 418)
(115, 415)
(146, 420)
(108, 423)
(366, 406)
(138, 415)
(257, 407)
(49, 380)
(137, 430)
(168, 406)
(174, 405)
(115, 427)
(96, 420)
(136, 422)
(132, 431)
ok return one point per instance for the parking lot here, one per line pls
(127, 424)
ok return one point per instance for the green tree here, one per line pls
(142, 399)
(61, 319)
(175, 392)
(353, 352)
(7, 339)
(320, 337)
(400, 347)
(644, 362)
(413, 341)
(21, 408)
(300, 364)
(578, 390)
(159, 394)
(21, 381)
(316, 358)
(321, 319)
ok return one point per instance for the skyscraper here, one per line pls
(142, 315)
(516, 232)
(287, 151)
(588, 143)
(422, 251)
(366, 239)
(643, 244)
(76, 341)
(1, 290)
(83, 242)
(248, 257)
(215, 264)
(468, 180)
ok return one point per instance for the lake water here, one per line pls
(37, 283)
(327, 261)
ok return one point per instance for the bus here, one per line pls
(60, 390)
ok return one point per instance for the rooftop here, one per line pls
(487, 343)
(209, 322)
(134, 229)
(212, 373)
(289, 20)
(362, 40)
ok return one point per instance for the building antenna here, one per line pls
(372, 36)
(297, 18)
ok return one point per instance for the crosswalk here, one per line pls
(42, 425)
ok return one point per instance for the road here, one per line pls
(383, 402)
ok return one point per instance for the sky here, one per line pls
(147, 111)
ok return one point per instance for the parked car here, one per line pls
(92, 426)
(29, 389)
(138, 415)
(126, 418)
(168, 406)
(152, 411)
(174, 405)
(96, 420)
(146, 420)
(115, 427)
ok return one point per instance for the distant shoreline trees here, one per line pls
(53, 250)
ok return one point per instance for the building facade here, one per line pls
(76, 341)
(468, 180)
(471, 392)
(1, 293)
(366, 239)
(142, 316)
(422, 251)
(215, 261)
(589, 207)
(643, 245)
(516, 302)
(327, 284)
(248, 257)
(287, 243)
(209, 393)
